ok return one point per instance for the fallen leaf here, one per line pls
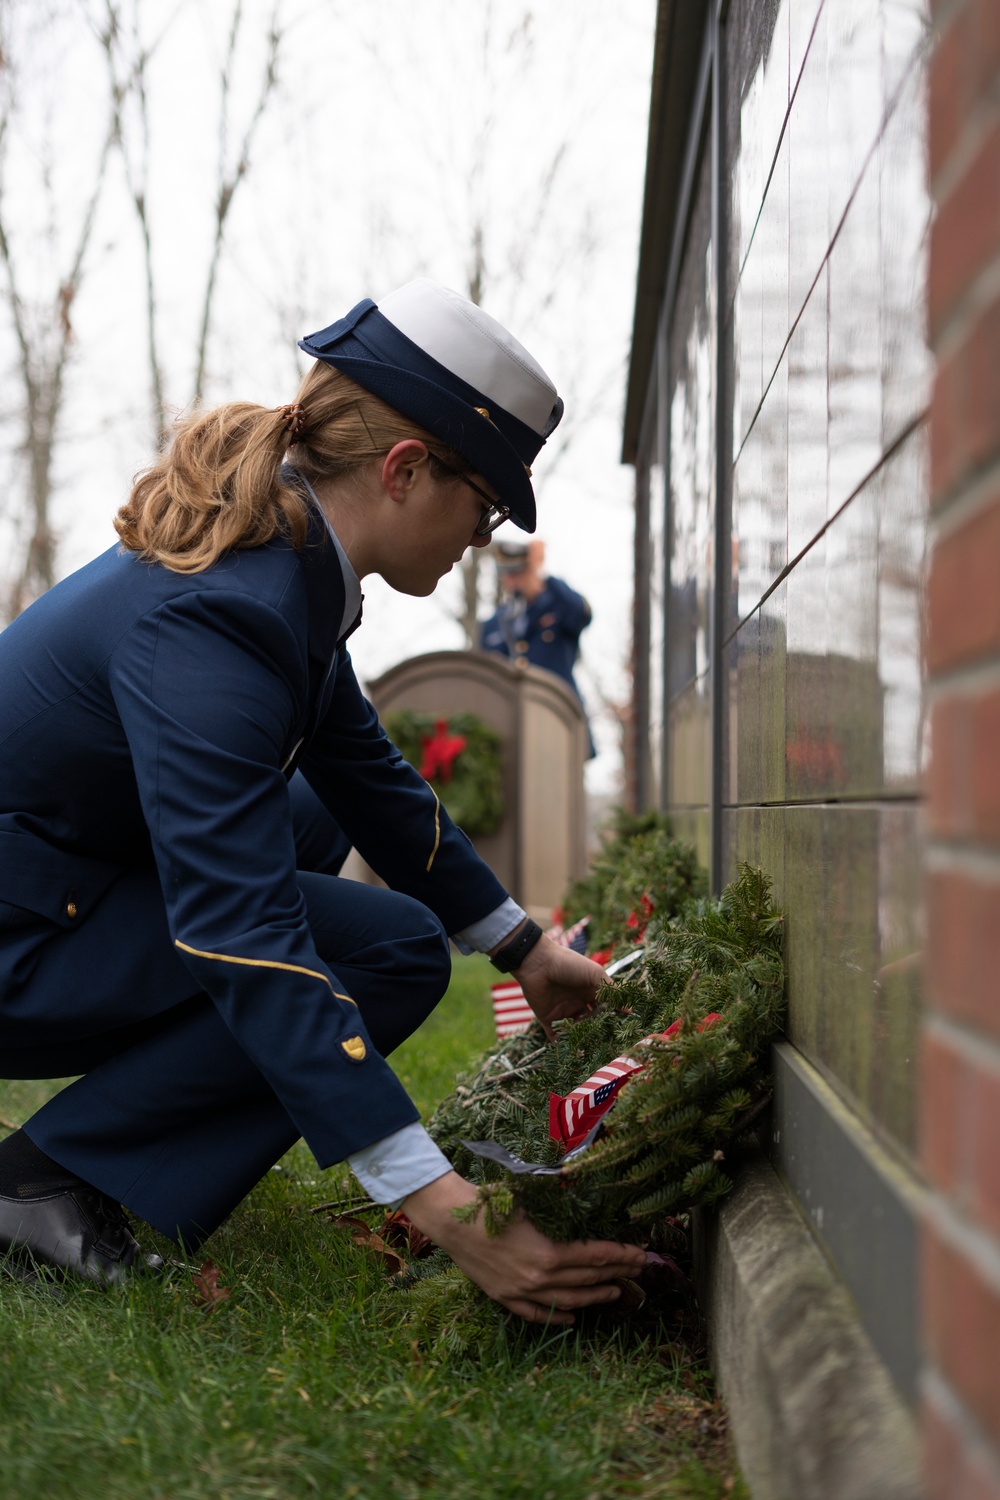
(206, 1281)
(633, 1298)
(399, 1230)
(367, 1239)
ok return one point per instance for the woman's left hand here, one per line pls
(558, 982)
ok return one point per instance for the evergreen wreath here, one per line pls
(641, 875)
(459, 757)
(715, 976)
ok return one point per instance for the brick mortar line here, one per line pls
(938, 1391)
(964, 681)
(945, 857)
(973, 1045)
(978, 1246)
(972, 498)
(976, 126)
(976, 298)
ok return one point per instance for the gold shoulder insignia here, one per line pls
(355, 1048)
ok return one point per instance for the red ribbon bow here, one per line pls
(441, 750)
(634, 924)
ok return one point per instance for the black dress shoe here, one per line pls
(75, 1230)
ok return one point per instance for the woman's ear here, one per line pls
(401, 467)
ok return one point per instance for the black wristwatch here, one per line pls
(513, 954)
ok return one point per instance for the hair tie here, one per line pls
(295, 418)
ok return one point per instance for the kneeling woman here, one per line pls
(185, 754)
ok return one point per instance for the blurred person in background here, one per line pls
(540, 619)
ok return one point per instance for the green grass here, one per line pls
(312, 1379)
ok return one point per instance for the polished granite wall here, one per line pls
(825, 371)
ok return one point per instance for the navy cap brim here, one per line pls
(370, 350)
(452, 420)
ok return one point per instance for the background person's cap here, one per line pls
(510, 556)
(443, 362)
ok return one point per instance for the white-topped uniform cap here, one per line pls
(473, 346)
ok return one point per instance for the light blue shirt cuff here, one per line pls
(483, 935)
(399, 1164)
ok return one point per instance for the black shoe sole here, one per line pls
(19, 1265)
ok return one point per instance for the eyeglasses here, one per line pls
(493, 515)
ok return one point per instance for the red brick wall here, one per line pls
(961, 1050)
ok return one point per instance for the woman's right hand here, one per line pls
(531, 1275)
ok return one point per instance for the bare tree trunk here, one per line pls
(44, 338)
(230, 177)
(127, 61)
(488, 265)
(125, 81)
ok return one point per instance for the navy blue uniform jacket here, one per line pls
(146, 716)
(554, 622)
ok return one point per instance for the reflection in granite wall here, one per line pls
(691, 406)
(657, 616)
(827, 220)
(650, 685)
(849, 875)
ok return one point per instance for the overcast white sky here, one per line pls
(395, 126)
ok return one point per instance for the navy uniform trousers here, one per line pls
(171, 1117)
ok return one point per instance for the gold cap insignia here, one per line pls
(483, 412)
(355, 1047)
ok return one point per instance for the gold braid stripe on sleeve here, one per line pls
(262, 963)
(437, 829)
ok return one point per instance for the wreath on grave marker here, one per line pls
(689, 1031)
(640, 874)
(627, 1120)
(459, 756)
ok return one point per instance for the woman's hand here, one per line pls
(532, 1276)
(558, 982)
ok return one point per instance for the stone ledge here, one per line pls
(813, 1412)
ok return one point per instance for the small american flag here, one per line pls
(574, 937)
(511, 1012)
(571, 1118)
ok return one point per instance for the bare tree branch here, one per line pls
(230, 178)
(128, 60)
(129, 80)
(491, 263)
(42, 356)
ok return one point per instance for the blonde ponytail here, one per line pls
(218, 486)
(215, 489)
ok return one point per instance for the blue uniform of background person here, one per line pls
(545, 631)
(169, 923)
